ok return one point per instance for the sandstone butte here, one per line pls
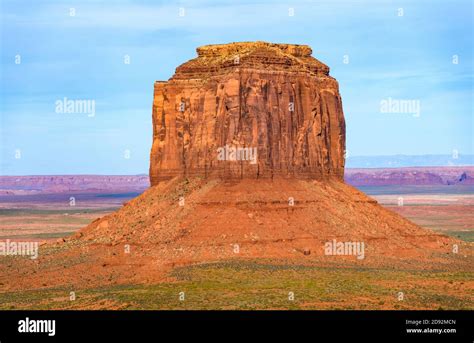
(283, 205)
(275, 98)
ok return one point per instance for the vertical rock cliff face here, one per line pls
(248, 110)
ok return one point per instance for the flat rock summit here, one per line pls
(247, 162)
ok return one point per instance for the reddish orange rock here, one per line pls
(248, 110)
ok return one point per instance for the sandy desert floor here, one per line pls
(257, 284)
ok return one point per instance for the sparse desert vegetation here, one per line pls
(252, 285)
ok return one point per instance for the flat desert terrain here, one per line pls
(253, 283)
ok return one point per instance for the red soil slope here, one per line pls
(224, 220)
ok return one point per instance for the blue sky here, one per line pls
(396, 49)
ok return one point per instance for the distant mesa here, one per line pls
(416, 176)
(52, 184)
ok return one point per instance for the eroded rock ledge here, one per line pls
(272, 99)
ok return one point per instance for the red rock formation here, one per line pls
(190, 220)
(461, 176)
(274, 100)
(50, 184)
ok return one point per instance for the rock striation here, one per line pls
(248, 110)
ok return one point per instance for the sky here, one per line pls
(381, 52)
